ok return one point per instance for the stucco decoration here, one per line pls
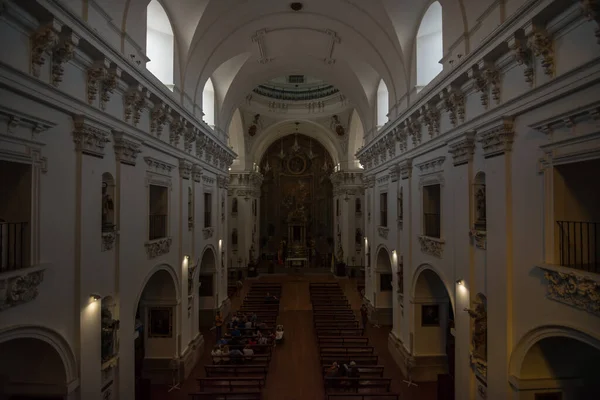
(42, 43)
(63, 53)
(158, 247)
(19, 289)
(478, 355)
(573, 289)
(108, 240)
(208, 232)
(479, 238)
(431, 246)
(383, 231)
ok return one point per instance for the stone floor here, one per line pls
(294, 372)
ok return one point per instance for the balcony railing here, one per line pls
(579, 245)
(431, 225)
(158, 227)
(13, 245)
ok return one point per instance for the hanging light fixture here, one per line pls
(310, 154)
(296, 147)
(267, 167)
(281, 152)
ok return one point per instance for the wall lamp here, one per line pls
(460, 282)
(95, 296)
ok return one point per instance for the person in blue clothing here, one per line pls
(235, 332)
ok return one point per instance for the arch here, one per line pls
(285, 128)
(160, 267)
(427, 267)
(540, 333)
(52, 338)
(429, 45)
(383, 104)
(384, 256)
(208, 250)
(160, 44)
(237, 139)
(208, 103)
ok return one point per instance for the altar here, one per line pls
(296, 262)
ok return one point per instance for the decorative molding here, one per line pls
(90, 137)
(177, 127)
(497, 137)
(431, 118)
(207, 180)
(197, 173)
(591, 10)
(108, 240)
(136, 99)
(159, 116)
(405, 168)
(42, 42)
(126, 149)
(431, 246)
(454, 104)
(523, 55)
(573, 288)
(259, 39)
(433, 166)
(95, 75)
(462, 148)
(158, 166)
(19, 288)
(568, 119)
(383, 231)
(159, 247)
(543, 47)
(185, 169)
(62, 54)
(16, 119)
(479, 238)
(394, 172)
(333, 40)
(208, 232)
(109, 84)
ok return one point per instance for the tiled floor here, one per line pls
(294, 372)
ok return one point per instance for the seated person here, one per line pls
(254, 318)
(248, 324)
(225, 353)
(235, 332)
(223, 341)
(236, 355)
(248, 352)
(333, 370)
(216, 354)
(268, 297)
(262, 325)
(279, 334)
(252, 341)
(263, 340)
(352, 370)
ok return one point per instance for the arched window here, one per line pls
(208, 103)
(383, 104)
(430, 49)
(160, 43)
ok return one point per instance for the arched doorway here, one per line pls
(296, 216)
(207, 288)
(557, 367)
(384, 287)
(431, 336)
(156, 331)
(32, 369)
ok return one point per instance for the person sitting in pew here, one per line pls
(248, 324)
(225, 353)
(262, 325)
(279, 334)
(223, 341)
(262, 339)
(248, 352)
(333, 370)
(235, 332)
(353, 371)
(236, 356)
(254, 318)
(251, 341)
(216, 354)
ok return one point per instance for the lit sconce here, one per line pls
(460, 282)
(95, 296)
(229, 169)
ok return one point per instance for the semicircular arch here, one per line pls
(428, 267)
(383, 248)
(160, 267)
(208, 249)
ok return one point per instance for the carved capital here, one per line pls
(197, 173)
(42, 42)
(109, 84)
(383, 231)
(185, 169)
(523, 56)
(462, 149)
(63, 53)
(158, 118)
(431, 246)
(405, 169)
(19, 289)
(591, 10)
(207, 233)
(543, 47)
(159, 247)
(135, 101)
(126, 149)
(95, 75)
(89, 137)
(108, 240)
(573, 288)
(479, 238)
(498, 138)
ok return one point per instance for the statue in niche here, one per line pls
(401, 206)
(337, 126)
(400, 274)
(110, 327)
(107, 208)
(358, 237)
(234, 205)
(480, 219)
(357, 206)
(479, 338)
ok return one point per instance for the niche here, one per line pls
(190, 209)
(479, 202)
(108, 204)
(357, 206)
(234, 239)
(234, 206)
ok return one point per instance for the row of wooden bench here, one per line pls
(242, 378)
(341, 340)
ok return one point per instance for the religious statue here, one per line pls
(480, 212)
(479, 338)
(107, 208)
(109, 335)
(400, 274)
(358, 237)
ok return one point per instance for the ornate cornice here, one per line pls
(89, 137)
(479, 238)
(126, 149)
(223, 181)
(252, 180)
(405, 167)
(19, 288)
(43, 41)
(497, 138)
(432, 166)
(158, 166)
(197, 173)
(462, 148)
(108, 240)
(63, 53)
(159, 247)
(185, 169)
(136, 99)
(431, 246)
(573, 288)
(207, 180)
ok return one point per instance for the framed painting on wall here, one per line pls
(160, 322)
(430, 315)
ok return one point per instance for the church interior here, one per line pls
(341, 199)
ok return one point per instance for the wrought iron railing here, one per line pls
(431, 225)
(579, 245)
(14, 245)
(157, 226)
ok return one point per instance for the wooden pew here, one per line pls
(249, 395)
(365, 371)
(236, 370)
(324, 284)
(230, 384)
(340, 332)
(330, 350)
(342, 359)
(363, 396)
(334, 317)
(343, 340)
(257, 359)
(324, 306)
(319, 313)
(336, 325)
(358, 384)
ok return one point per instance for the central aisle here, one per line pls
(294, 372)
